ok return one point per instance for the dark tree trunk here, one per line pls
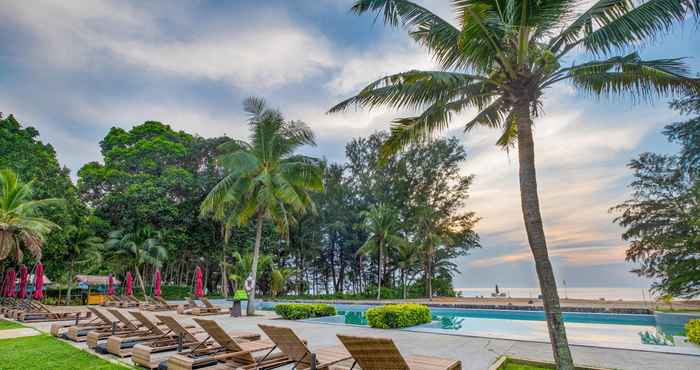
(536, 239)
(71, 268)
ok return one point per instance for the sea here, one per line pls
(607, 293)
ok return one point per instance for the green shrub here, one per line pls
(692, 329)
(297, 311)
(398, 316)
(240, 295)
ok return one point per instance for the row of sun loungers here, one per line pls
(166, 343)
(29, 310)
(159, 304)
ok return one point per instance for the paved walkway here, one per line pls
(17, 333)
(475, 353)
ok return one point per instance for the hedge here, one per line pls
(297, 311)
(398, 316)
(692, 329)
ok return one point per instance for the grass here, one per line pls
(45, 352)
(512, 366)
(4, 324)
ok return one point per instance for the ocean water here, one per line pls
(608, 293)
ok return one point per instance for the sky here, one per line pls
(73, 69)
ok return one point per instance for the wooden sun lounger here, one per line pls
(158, 304)
(77, 333)
(233, 352)
(41, 313)
(111, 301)
(59, 329)
(382, 354)
(123, 326)
(297, 351)
(196, 310)
(129, 301)
(151, 355)
(121, 345)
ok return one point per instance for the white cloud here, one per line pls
(258, 52)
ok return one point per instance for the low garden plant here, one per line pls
(398, 316)
(298, 311)
(692, 329)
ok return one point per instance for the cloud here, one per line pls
(257, 52)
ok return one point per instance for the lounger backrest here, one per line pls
(219, 335)
(206, 302)
(146, 322)
(374, 353)
(288, 342)
(192, 302)
(161, 300)
(100, 315)
(120, 316)
(133, 299)
(176, 328)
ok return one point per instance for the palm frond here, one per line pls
(631, 74)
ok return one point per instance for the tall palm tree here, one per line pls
(138, 249)
(382, 224)
(265, 179)
(406, 259)
(499, 57)
(21, 225)
(433, 234)
(82, 249)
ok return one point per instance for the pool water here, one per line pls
(625, 331)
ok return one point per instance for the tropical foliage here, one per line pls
(21, 224)
(499, 57)
(138, 250)
(266, 179)
(662, 219)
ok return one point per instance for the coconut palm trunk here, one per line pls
(250, 310)
(140, 279)
(379, 269)
(535, 234)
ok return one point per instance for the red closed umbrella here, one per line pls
(199, 287)
(23, 277)
(11, 291)
(156, 288)
(110, 286)
(129, 284)
(39, 282)
(4, 284)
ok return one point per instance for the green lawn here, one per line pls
(511, 366)
(4, 324)
(45, 352)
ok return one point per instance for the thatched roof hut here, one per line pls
(95, 280)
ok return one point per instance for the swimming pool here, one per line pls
(625, 331)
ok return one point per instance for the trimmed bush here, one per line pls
(692, 329)
(298, 311)
(398, 316)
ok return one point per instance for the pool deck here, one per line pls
(475, 353)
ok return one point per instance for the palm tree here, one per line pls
(382, 224)
(406, 259)
(139, 249)
(83, 248)
(241, 266)
(265, 179)
(499, 58)
(279, 279)
(433, 234)
(21, 225)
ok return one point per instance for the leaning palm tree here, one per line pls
(382, 224)
(265, 179)
(499, 57)
(139, 249)
(21, 225)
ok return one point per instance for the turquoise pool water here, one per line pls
(626, 331)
